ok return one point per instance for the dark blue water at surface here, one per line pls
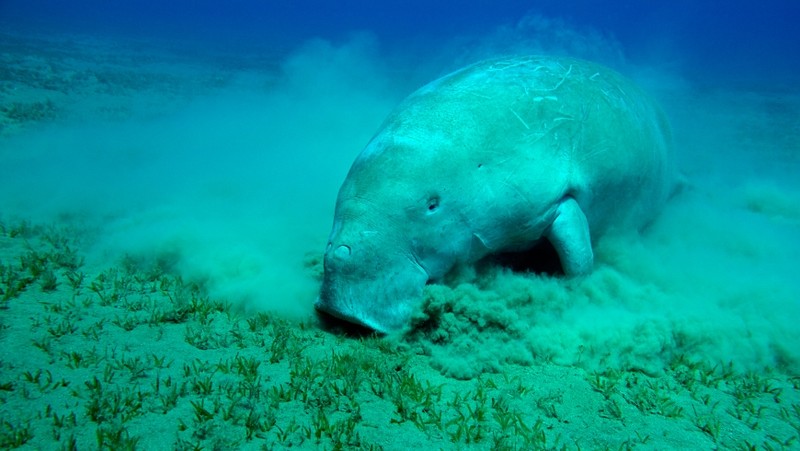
(713, 41)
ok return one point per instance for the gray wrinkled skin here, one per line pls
(491, 158)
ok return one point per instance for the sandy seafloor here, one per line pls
(162, 218)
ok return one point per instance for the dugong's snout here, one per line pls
(369, 288)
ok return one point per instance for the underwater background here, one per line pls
(168, 172)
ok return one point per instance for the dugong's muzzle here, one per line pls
(374, 289)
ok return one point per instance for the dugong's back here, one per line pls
(561, 124)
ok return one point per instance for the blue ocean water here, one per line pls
(199, 109)
(208, 139)
(211, 130)
(717, 40)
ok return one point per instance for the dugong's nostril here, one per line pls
(342, 252)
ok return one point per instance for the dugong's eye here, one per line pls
(433, 204)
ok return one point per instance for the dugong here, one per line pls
(492, 158)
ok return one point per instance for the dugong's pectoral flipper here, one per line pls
(569, 235)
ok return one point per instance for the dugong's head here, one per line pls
(397, 225)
